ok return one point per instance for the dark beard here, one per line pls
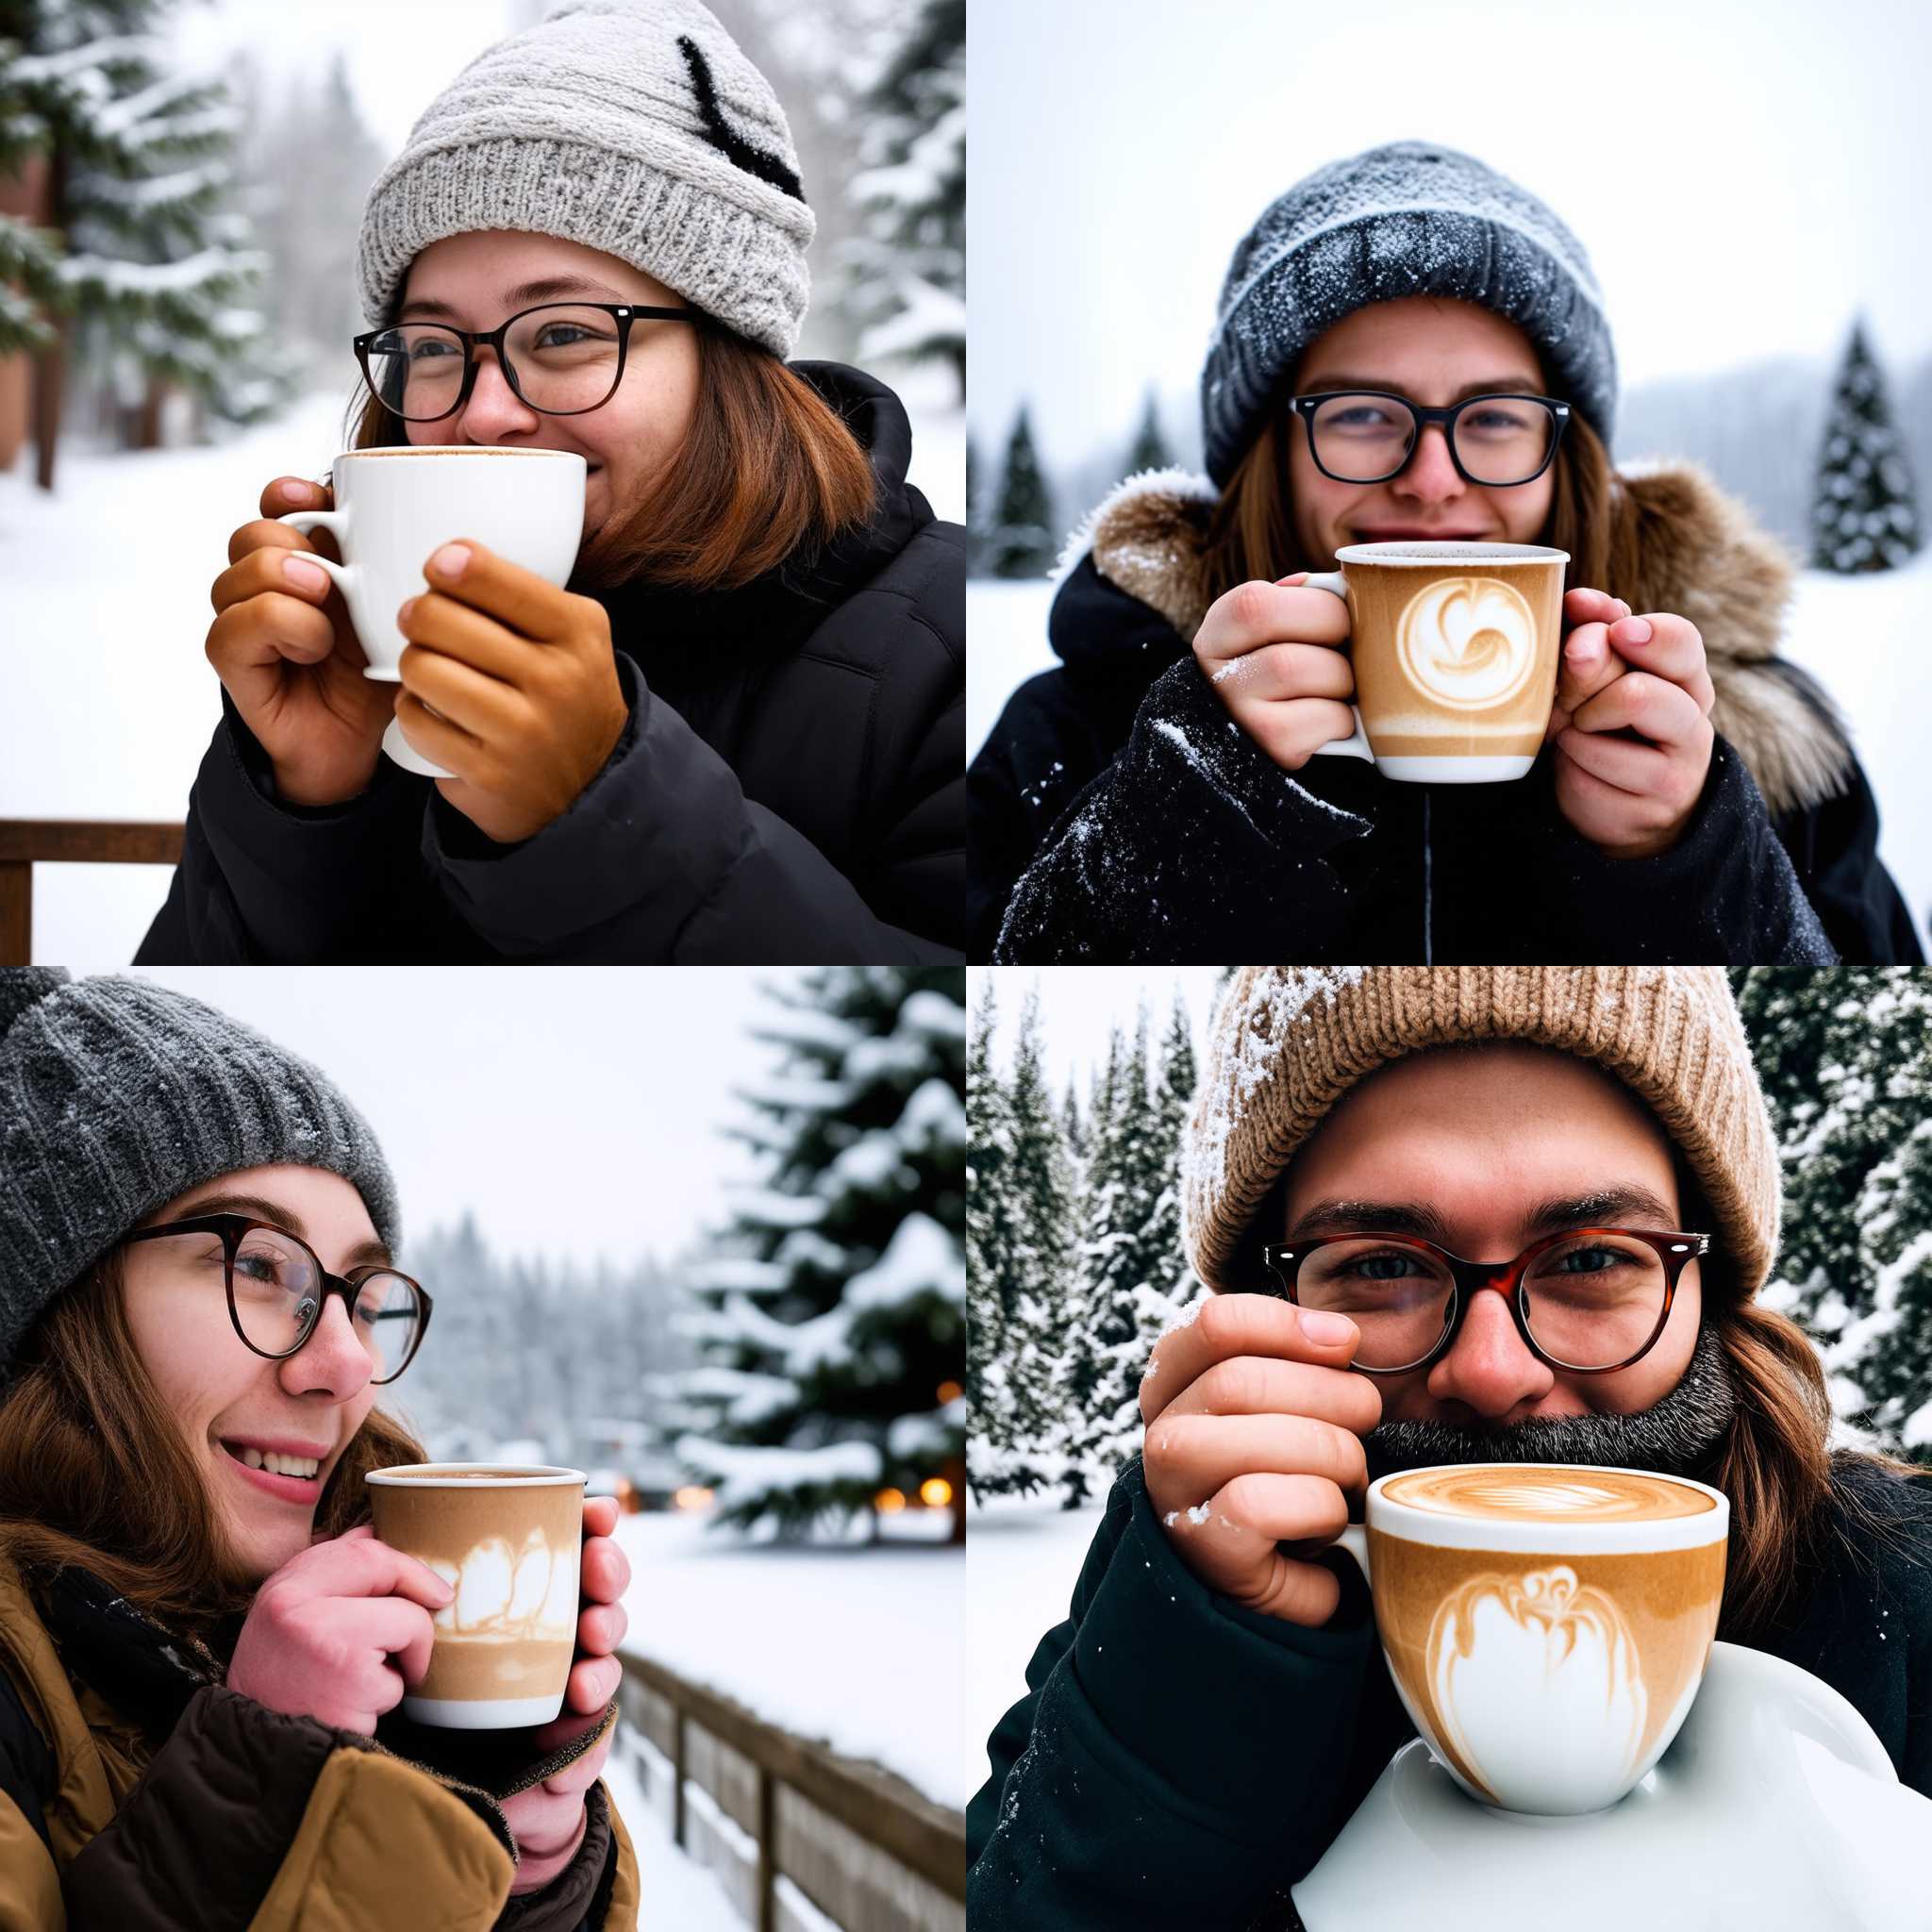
(1674, 1436)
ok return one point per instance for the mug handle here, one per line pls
(336, 522)
(1356, 746)
(1354, 1538)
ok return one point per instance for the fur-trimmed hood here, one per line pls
(1703, 557)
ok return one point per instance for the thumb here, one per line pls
(1586, 666)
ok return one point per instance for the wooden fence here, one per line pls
(26, 842)
(861, 1846)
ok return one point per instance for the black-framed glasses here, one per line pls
(1588, 1301)
(1367, 435)
(560, 358)
(277, 1289)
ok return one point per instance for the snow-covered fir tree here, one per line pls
(1071, 1125)
(139, 176)
(909, 262)
(832, 1314)
(1845, 1056)
(988, 1257)
(1150, 450)
(1864, 512)
(1021, 541)
(1136, 1275)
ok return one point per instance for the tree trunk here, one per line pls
(148, 430)
(956, 1473)
(50, 365)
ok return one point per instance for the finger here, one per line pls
(1664, 712)
(400, 1631)
(1293, 732)
(294, 492)
(1638, 770)
(1672, 647)
(1584, 606)
(285, 567)
(364, 1566)
(600, 1515)
(601, 1628)
(268, 626)
(1588, 666)
(1257, 613)
(593, 1683)
(580, 1774)
(564, 1730)
(1266, 1385)
(606, 1570)
(1236, 1323)
(515, 597)
(481, 707)
(469, 636)
(1286, 670)
(1250, 1516)
(1200, 1453)
(442, 743)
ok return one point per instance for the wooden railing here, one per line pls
(25, 842)
(880, 1809)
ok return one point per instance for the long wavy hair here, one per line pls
(768, 471)
(1591, 515)
(94, 1471)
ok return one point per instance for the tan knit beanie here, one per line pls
(1288, 1042)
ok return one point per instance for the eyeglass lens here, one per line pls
(1593, 1302)
(565, 360)
(1364, 439)
(277, 1296)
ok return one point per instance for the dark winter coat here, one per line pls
(138, 1792)
(1180, 1761)
(788, 787)
(1118, 815)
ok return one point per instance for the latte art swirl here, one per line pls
(1554, 1496)
(1467, 643)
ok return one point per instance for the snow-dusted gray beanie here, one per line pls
(636, 128)
(115, 1096)
(1409, 218)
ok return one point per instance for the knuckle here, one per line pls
(1232, 1386)
(1248, 605)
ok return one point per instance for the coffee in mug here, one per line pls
(396, 508)
(506, 1538)
(1455, 648)
(1546, 1625)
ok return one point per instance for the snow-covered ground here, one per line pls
(106, 701)
(1026, 1558)
(862, 1647)
(1861, 637)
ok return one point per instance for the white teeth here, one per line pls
(276, 1463)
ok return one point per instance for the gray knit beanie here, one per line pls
(636, 128)
(115, 1096)
(1410, 218)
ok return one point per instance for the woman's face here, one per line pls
(1435, 352)
(477, 281)
(1474, 1149)
(221, 1391)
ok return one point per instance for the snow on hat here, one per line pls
(636, 128)
(1409, 218)
(118, 1094)
(1288, 1042)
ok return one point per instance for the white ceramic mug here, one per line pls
(396, 508)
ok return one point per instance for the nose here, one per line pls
(1430, 475)
(494, 409)
(333, 1358)
(1489, 1367)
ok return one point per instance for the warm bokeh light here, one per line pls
(889, 1501)
(692, 1496)
(950, 1391)
(934, 1492)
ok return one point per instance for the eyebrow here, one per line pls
(520, 296)
(1518, 384)
(258, 1207)
(1634, 1207)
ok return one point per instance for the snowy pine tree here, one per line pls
(1845, 1060)
(1072, 1126)
(139, 172)
(990, 1219)
(1150, 450)
(1021, 541)
(908, 263)
(1864, 515)
(833, 1312)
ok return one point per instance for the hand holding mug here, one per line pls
(1270, 652)
(284, 648)
(338, 1632)
(1631, 725)
(1254, 1427)
(511, 684)
(548, 1820)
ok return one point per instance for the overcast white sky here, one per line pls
(576, 1110)
(1080, 1005)
(1744, 173)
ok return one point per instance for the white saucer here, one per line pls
(1776, 1807)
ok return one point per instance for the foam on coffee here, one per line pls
(1568, 1495)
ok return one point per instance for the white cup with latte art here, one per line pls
(1546, 1625)
(1455, 648)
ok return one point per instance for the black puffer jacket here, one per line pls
(1118, 815)
(1180, 1761)
(788, 787)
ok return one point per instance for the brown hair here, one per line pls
(1591, 515)
(768, 468)
(94, 1471)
